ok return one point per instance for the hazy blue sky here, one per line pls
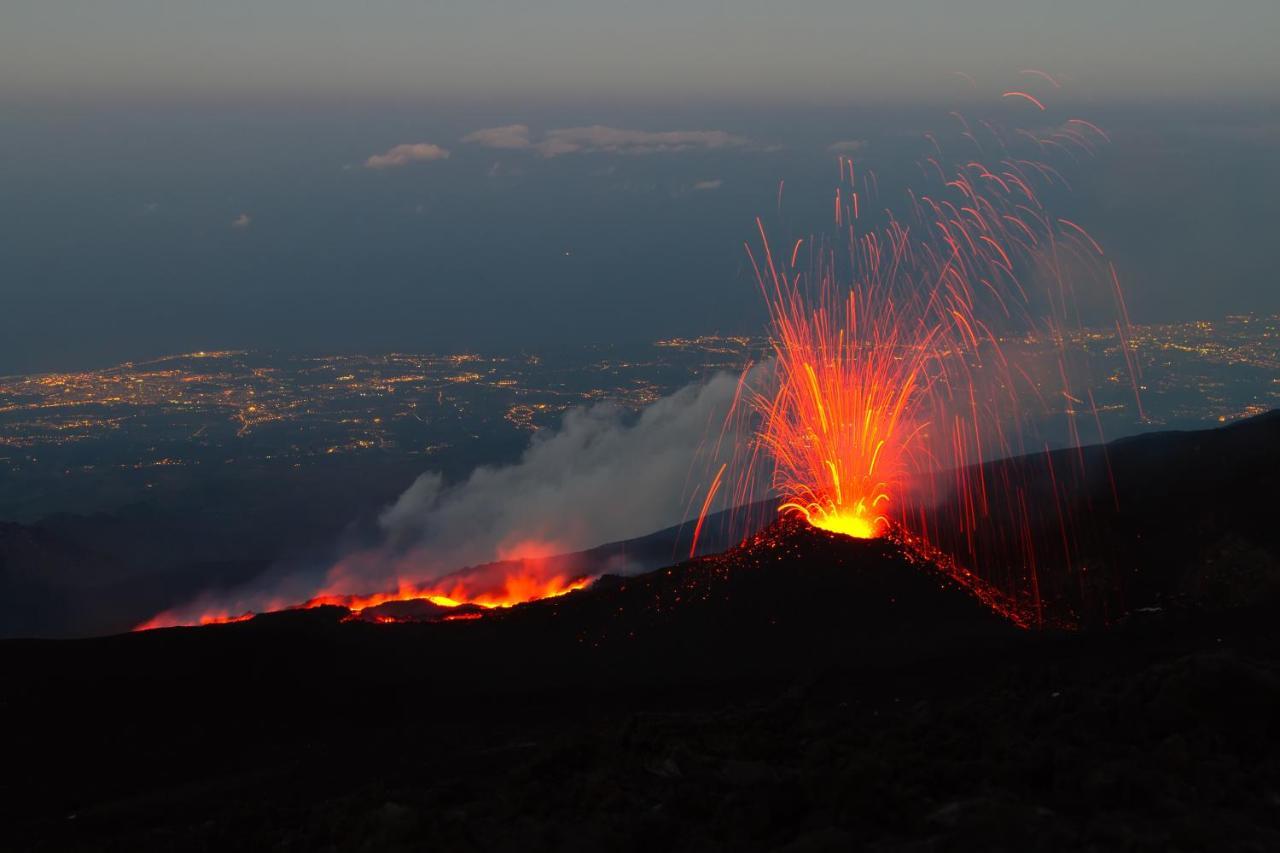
(312, 174)
(655, 49)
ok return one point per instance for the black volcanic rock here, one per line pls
(1156, 520)
(789, 597)
(416, 610)
(803, 692)
(311, 618)
(93, 576)
(807, 694)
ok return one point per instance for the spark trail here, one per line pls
(897, 371)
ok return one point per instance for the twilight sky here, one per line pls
(324, 175)
(659, 49)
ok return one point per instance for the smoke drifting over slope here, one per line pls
(604, 475)
(598, 478)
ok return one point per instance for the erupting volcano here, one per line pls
(896, 374)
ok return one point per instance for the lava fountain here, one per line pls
(842, 424)
(893, 378)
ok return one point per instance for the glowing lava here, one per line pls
(841, 426)
(898, 360)
(855, 524)
(503, 587)
(495, 586)
(853, 367)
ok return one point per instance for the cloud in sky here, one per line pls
(599, 138)
(403, 155)
(244, 220)
(847, 146)
(713, 184)
(507, 136)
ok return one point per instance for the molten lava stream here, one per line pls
(493, 587)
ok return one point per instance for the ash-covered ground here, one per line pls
(804, 692)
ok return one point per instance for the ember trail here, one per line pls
(893, 378)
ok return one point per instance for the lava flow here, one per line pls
(465, 594)
(490, 587)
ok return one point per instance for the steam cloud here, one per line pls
(507, 136)
(599, 138)
(403, 155)
(602, 476)
(605, 474)
(847, 146)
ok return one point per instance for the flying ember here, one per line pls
(895, 373)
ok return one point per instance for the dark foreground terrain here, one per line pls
(805, 692)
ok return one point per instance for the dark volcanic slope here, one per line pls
(811, 689)
(1155, 520)
(806, 693)
(141, 717)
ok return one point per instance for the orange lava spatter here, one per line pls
(896, 368)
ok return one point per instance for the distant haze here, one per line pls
(658, 50)
(332, 176)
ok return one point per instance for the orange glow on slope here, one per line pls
(211, 616)
(516, 588)
(495, 586)
(217, 619)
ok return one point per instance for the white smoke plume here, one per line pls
(604, 475)
(599, 138)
